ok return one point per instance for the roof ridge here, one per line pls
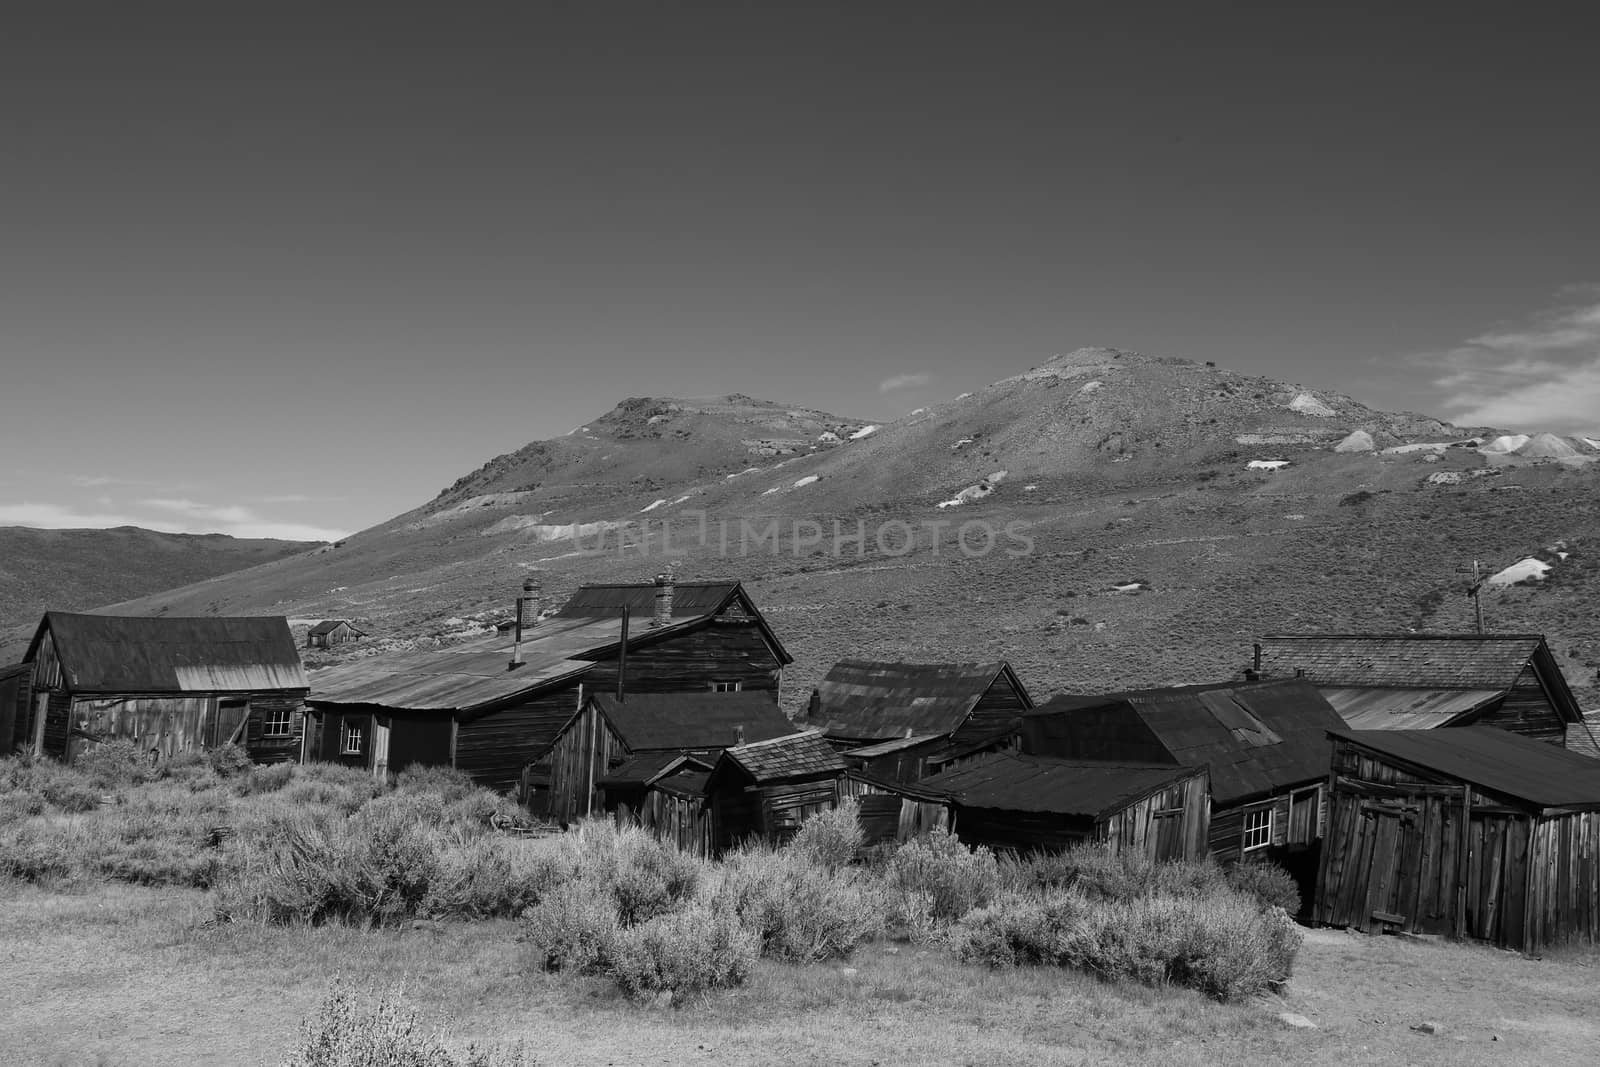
(1404, 637)
(774, 740)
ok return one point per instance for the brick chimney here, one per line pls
(663, 612)
(527, 618)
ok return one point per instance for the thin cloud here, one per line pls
(1542, 374)
(904, 381)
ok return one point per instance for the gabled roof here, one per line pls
(327, 626)
(693, 604)
(798, 755)
(1256, 738)
(1534, 772)
(875, 700)
(1418, 661)
(647, 770)
(1405, 709)
(1084, 788)
(703, 720)
(473, 675)
(123, 654)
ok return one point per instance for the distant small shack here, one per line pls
(1427, 681)
(607, 732)
(168, 684)
(331, 633)
(1471, 832)
(764, 790)
(901, 721)
(1024, 804)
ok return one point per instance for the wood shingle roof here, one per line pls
(125, 654)
(798, 755)
(874, 700)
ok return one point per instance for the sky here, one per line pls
(278, 270)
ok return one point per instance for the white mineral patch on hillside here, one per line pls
(682, 498)
(1358, 441)
(1520, 571)
(653, 419)
(963, 396)
(1547, 446)
(1266, 464)
(1591, 442)
(1308, 404)
(545, 531)
(1089, 387)
(865, 431)
(1421, 446)
(965, 441)
(769, 492)
(828, 437)
(1505, 444)
(653, 506)
(807, 480)
(968, 495)
(997, 477)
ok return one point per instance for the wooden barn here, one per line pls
(1264, 743)
(1425, 681)
(492, 706)
(901, 721)
(764, 790)
(1020, 803)
(607, 732)
(169, 684)
(666, 794)
(1471, 832)
(331, 633)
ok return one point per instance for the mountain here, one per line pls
(75, 570)
(1105, 520)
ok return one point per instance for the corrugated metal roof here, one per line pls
(872, 700)
(1404, 709)
(1420, 661)
(798, 755)
(1088, 788)
(122, 654)
(1289, 748)
(884, 748)
(702, 720)
(1521, 768)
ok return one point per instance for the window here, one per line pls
(276, 723)
(1257, 828)
(350, 740)
(726, 686)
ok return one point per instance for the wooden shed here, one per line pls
(1471, 832)
(1426, 681)
(900, 721)
(607, 732)
(1264, 743)
(493, 706)
(331, 633)
(764, 790)
(1024, 804)
(169, 684)
(665, 793)
(894, 812)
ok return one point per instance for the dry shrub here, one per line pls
(572, 929)
(942, 877)
(114, 763)
(447, 783)
(702, 947)
(354, 1028)
(1097, 871)
(268, 779)
(830, 838)
(494, 876)
(798, 910)
(1267, 883)
(642, 875)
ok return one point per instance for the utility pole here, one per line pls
(1473, 590)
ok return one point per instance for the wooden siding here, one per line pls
(771, 813)
(585, 751)
(720, 650)
(419, 739)
(679, 820)
(16, 711)
(494, 748)
(1526, 709)
(1168, 824)
(998, 708)
(1416, 851)
(168, 723)
(888, 817)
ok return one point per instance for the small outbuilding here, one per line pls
(1034, 803)
(764, 790)
(1472, 832)
(664, 793)
(331, 633)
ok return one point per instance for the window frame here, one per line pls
(271, 717)
(1261, 830)
(351, 740)
(726, 685)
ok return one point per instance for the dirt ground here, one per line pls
(119, 975)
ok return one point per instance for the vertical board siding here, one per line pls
(493, 748)
(720, 650)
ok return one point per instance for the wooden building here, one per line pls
(331, 633)
(493, 706)
(607, 732)
(1022, 803)
(15, 690)
(169, 684)
(1425, 681)
(900, 721)
(894, 812)
(1472, 832)
(664, 793)
(764, 790)
(1264, 743)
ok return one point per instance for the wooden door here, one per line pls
(380, 748)
(1168, 831)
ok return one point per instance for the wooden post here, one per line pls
(622, 655)
(1529, 942)
(1462, 865)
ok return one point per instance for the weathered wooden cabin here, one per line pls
(1425, 681)
(764, 790)
(15, 685)
(607, 732)
(900, 721)
(1472, 832)
(664, 793)
(894, 812)
(492, 706)
(1264, 743)
(169, 684)
(331, 633)
(1023, 804)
